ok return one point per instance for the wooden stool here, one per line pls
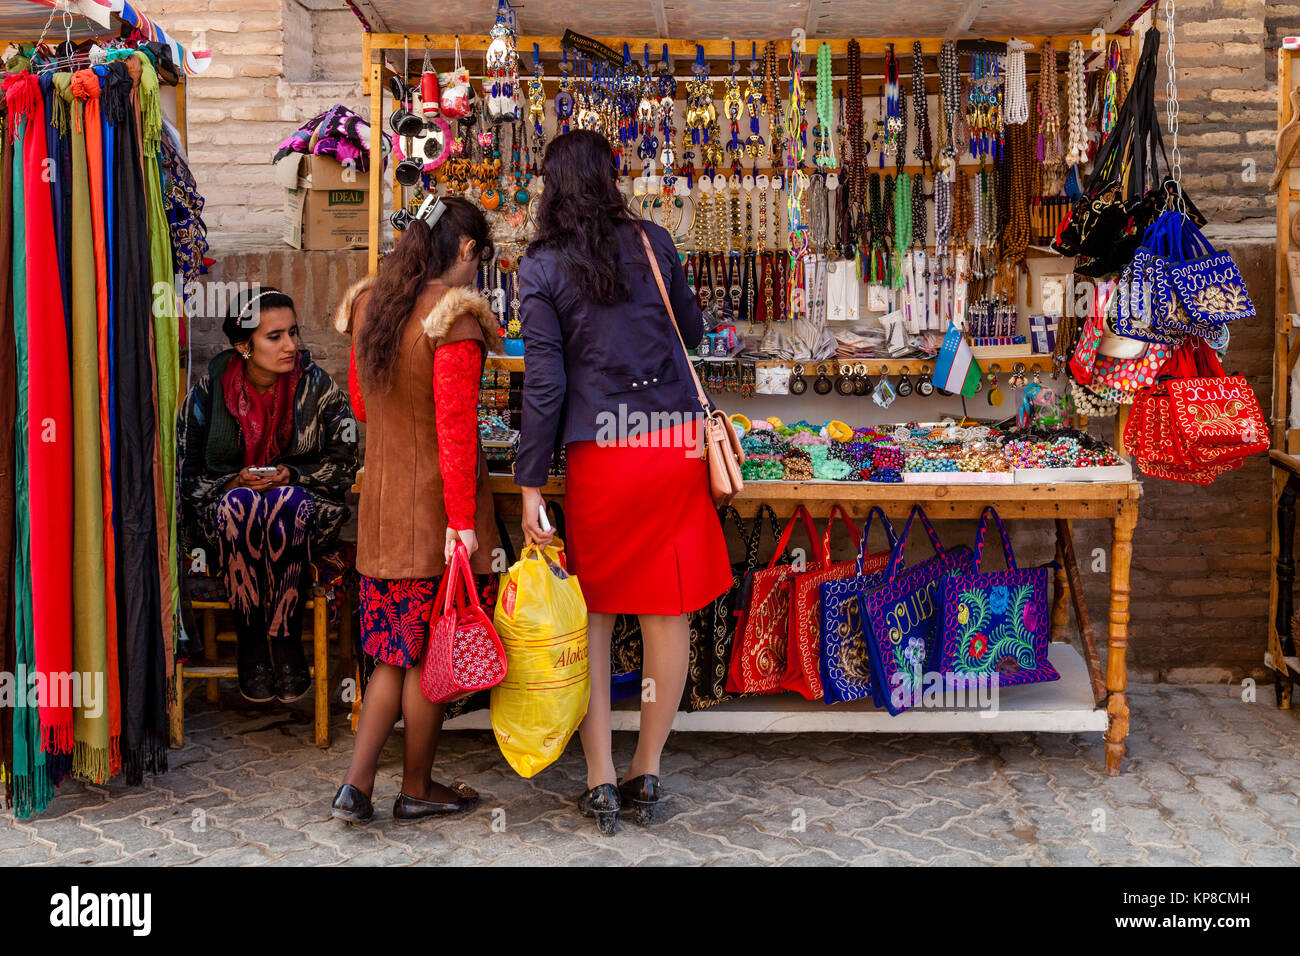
(211, 670)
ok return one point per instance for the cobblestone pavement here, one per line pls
(1208, 780)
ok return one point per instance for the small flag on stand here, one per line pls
(956, 371)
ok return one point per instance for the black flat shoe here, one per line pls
(292, 682)
(603, 803)
(352, 805)
(257, 683)
(406, 808)
(642, 793)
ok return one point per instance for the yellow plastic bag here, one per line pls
(541, 617)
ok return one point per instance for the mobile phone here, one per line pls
(263, 470)
(541, 516)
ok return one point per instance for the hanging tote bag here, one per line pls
(995, 626)
(722, 448)
(803, 658)
(843, 664)
(763, 629)
(463, 654)
(903, 619)
(1208, 283)
(713, 627)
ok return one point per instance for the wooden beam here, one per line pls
(661, 18)
(814, 15)
(1119, 14)
(965, 18)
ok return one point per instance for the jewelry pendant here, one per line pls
(905, 383)
(925, 387)
(823, 384)
(846, 383)
(862, 383)
(798, 384)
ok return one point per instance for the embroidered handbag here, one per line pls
(1125, 374)
(713, 627)
(995, 625)
(903, 619)
(763, 629)
(1209, 285)
(463, 653)
(803, 655)
(1136, 305)
(843, 666)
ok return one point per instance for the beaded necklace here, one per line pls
(854, 146)
(902, 225)
(1017, 98)
(962, 213)
(893, 117)
(950, 92)
(920, 224)
(942, 211)
(924, 149)
(1018, 234)
(900, 154)
(1110, 94)
(1076, 106)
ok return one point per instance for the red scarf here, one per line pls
(266, 419)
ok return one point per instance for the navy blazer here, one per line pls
(590, 366)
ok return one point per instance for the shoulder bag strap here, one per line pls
(982, 532)
(756, 534)
(854, 534)
(866, 535)
(801, 514)
(663, 293)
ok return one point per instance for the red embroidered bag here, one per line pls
(762, 632)
(803, 656)
(463, 653)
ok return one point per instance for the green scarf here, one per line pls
(166, 336)
(91, 736)
(32, 789)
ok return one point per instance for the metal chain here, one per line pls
(1171, 106)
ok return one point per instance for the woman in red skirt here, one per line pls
(609, 380)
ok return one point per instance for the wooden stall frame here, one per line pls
(1063, 504)
(1284, 455)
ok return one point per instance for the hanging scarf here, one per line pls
(166, 341)
(8, 403)
(31, 783)
(140, 634)
(90, 756)
(86, 87)
(60, 167)
(49, 398)
(265, 419)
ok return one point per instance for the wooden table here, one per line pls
(1116, 502)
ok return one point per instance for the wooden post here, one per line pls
(320, 632)
(1121, 557)
(376, 163)
(1282, 303)
(176, 716)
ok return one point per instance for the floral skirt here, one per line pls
(396, 615)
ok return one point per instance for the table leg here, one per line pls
(1121, 557)
(1087, 637)
(1061, 599)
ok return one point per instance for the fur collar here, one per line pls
(455, 303)
(343, 317)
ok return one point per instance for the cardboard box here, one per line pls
(325, 205)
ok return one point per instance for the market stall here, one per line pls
(874, 228)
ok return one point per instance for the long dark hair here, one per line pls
(579, 214)
(240, 325)
(422, 254)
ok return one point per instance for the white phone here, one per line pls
(545, 523)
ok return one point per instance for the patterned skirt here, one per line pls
(396, 615)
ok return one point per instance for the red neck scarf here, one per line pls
(266, 419)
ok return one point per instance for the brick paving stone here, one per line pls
(1208, 780)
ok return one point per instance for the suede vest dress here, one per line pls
(402, 522)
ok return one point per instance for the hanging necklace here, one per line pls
(1076, 106)
(1110, 90)
(950, 92)
(924, 149)
(900, 152)
(1017, 97)
(893, 117)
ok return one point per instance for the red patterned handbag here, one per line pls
(803, 655)
(763, 629)
(463, 654)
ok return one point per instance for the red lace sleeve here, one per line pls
(457, 369)
(354, 387)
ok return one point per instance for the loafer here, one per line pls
(292, 682)
(602, 803)
(352, 805)
(642, 794)
(407, 808)
(257, 683)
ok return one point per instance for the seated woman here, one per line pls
(268, 450)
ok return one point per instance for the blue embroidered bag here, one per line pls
(903, 619)
(996, 625)
(842, 656)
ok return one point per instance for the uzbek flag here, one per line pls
(956, 371)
